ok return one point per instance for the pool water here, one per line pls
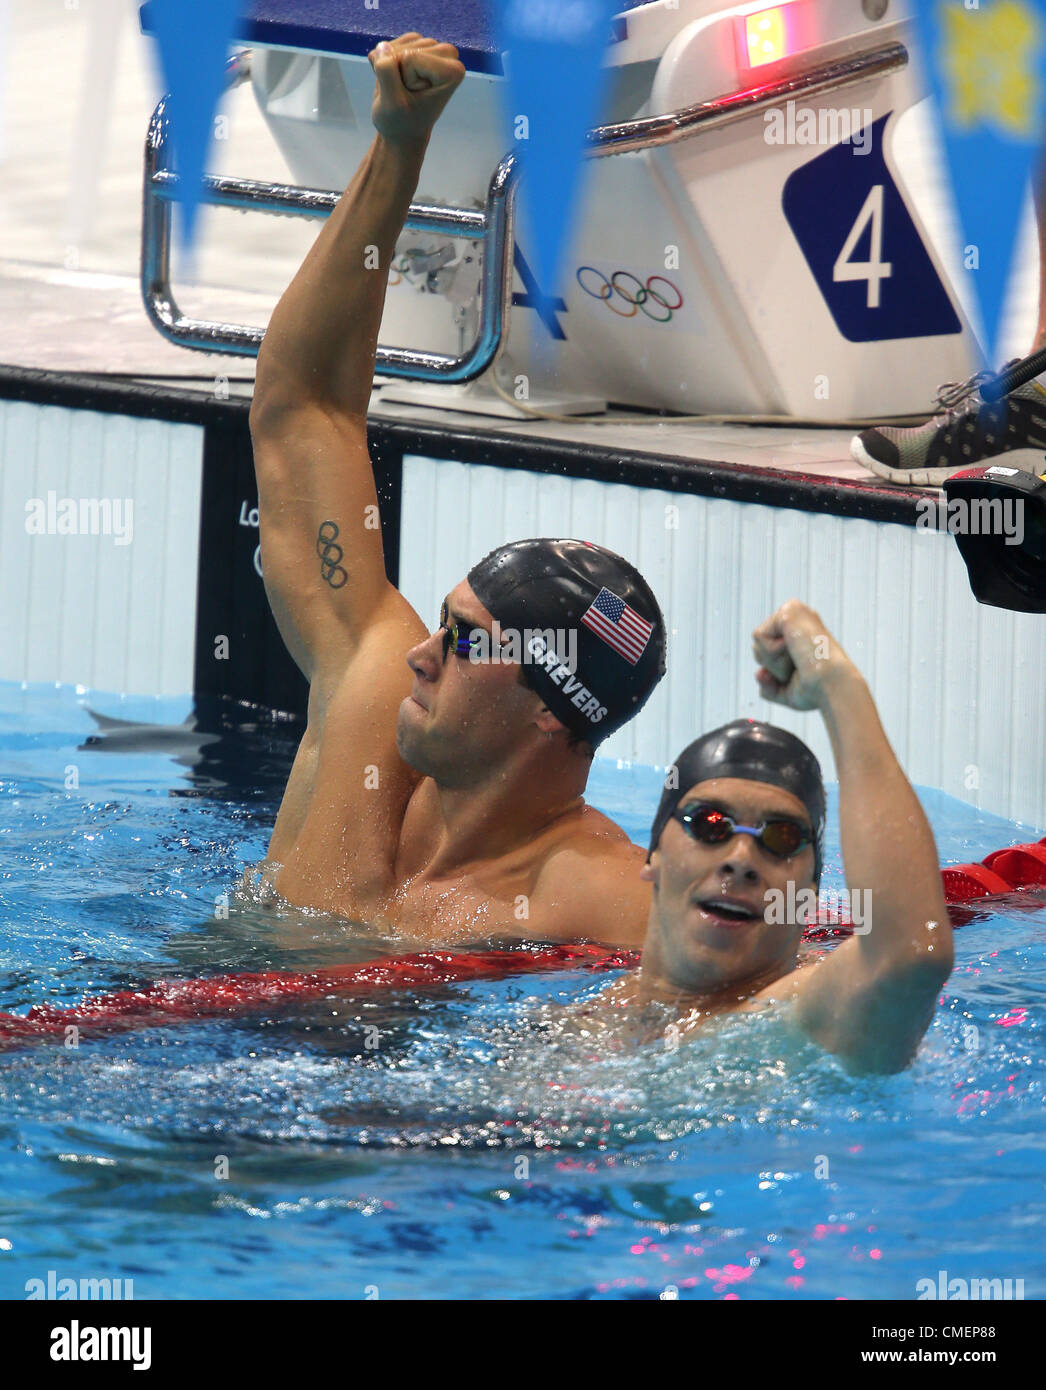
(461, 1145)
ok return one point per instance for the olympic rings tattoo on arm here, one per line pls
(330, 554)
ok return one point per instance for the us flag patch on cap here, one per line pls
(619, 626)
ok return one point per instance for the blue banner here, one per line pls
(193, 38)
(554, 82)
(986, 65)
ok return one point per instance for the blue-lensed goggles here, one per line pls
(780, 836)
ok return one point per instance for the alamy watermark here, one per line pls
(553, 649)
(827, 125)
(806, 907)
(528, 646)
(79, 1342)
(973, 516)
(55, 1287)
(944, 1288)
(81, 516)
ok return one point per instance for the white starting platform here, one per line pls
(745, 241)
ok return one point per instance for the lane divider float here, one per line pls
(970, 890)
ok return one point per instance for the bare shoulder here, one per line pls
(592, 840)
(589, 883)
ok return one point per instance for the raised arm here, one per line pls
(320, 540)
(872, 998)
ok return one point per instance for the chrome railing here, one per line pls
(493, 227)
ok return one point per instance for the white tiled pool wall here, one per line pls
(959, 685)
(113, 609)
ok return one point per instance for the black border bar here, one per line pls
(608, 463)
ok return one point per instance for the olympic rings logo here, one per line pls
(330, 553)
(638, 298)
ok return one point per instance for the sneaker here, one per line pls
(966, 431)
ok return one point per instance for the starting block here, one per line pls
(745, 241)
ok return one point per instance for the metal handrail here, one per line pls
(651, 131)
(493, 226)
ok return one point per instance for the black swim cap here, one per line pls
(756, 752)
(560, 595)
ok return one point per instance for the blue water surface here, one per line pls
(474, 1150)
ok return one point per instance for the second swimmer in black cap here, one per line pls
(736, 853)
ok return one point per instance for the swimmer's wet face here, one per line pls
(464, 718)
(708, 922)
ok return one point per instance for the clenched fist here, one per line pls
(797, 656)
(416, 78)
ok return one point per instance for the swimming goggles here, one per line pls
(779, 836)
(457, 637)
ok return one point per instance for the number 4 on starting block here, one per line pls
(862, 247)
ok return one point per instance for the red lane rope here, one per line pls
(230, 995)
(967, 888)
